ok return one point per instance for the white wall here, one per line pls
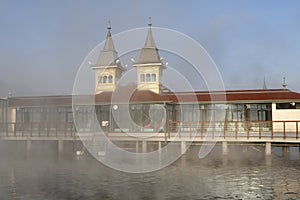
(285, 115)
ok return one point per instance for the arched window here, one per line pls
(153, 77)
(99, 79)
(148, 77)
(110, 78)
(142, 77)
(104, 79)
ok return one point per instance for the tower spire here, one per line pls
(150, 22)
(284, 84)
(108, 25)
(108, 55)
(265, 84)
(150, 43)
(149, 53)
(109, 45)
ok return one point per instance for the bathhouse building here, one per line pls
(151, 106)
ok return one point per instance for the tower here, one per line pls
(108, 69)
(149, 66)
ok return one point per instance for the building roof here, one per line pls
(108, 56)
(38, 101)
(149, 53)
(132, 95)
(242, 96)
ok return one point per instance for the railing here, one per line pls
(37, 129)
(228, 129)
(235, 129)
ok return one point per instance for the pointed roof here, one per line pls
(149, 53)
(108, 55)
(150, 43)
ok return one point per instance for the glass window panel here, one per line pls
(153, 77)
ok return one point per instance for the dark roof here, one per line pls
(149, 53)
(37, 101)
(108, 55)
(131, 94)
(239, 96)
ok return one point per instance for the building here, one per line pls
(151, 107)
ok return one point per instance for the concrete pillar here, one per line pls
(11, 117)
(136, 146)
(224, 148)
(269, 161)
(60, 146)
(159, 146)
(268, 148)
(183, 147)
(29, 145)
(286, 149)
(144, 146)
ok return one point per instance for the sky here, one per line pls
(43, 43)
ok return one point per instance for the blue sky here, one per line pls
(43, 43)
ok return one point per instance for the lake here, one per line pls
(46, 175)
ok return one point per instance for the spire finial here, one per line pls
(108, 25)
(9, 93)
(150, 22)
(265, 84)
(284, 85)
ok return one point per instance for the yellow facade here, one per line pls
(106, 79)
(149, 78)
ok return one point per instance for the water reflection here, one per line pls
(239, 175)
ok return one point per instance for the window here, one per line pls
(105, 79)
(153, 77)
(291, 105)
(99, 79)
(142, 77)
(110, 79)
(148, 77)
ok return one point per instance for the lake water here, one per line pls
(44, 174)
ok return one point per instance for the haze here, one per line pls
(43, 43)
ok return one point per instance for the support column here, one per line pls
(286, 149)
(29, 145)
(60, 146)
(136, 146)
(159, 146)
(144, 146)
(183, 147)
(11, 117)
(224, 148)
(268, 148)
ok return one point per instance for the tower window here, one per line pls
(148, 77)
(142, 77)
(104, 79)
(110, 79)
(99, 79)
(153, 77)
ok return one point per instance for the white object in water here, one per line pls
(79, 153)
